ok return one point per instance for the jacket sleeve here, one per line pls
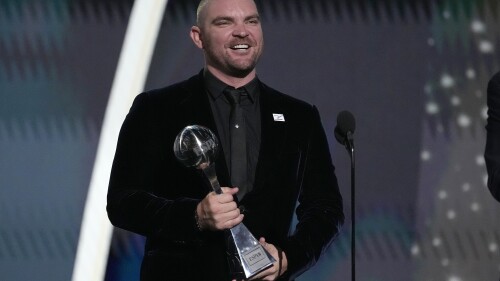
(492, 150)
(132, 203)
(320, 210)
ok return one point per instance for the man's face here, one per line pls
(230, 33)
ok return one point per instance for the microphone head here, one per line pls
(345, 123)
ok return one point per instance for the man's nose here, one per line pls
(240, 30)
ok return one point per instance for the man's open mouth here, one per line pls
(240, 47)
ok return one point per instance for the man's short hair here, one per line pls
(201, 6)
(199, 11)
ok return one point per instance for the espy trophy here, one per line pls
(197, 146)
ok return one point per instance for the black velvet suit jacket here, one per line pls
(150, 193)
(492, 151)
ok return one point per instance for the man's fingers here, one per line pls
(269, 247)
(230, 190)
(226, 196)
(228, 220)
(218, 206)
(223, 219)
(220, 211)
(235, 221)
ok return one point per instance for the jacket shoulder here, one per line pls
(174, 93)
(286, 100)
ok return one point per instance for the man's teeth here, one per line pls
(240, 46)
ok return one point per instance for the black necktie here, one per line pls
(238, 141)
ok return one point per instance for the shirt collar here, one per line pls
(216, 87)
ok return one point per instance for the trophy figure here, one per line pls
(197, 146)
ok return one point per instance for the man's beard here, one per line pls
(241, 72)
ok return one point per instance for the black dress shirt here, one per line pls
(221, 109)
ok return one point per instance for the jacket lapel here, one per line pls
(273, 135)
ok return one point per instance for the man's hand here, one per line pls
(219, 211)
(273, 272)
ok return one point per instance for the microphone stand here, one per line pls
(349, 145)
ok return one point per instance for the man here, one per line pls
(287, 159)
(492, 151)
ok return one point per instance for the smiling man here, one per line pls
(230, 34)
(274, 153)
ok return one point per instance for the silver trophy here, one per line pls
(197, 146)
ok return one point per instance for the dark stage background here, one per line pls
(414, 73)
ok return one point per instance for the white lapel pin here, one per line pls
(278, 117)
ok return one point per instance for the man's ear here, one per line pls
(195, 34)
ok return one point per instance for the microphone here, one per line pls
(344, 134)
(345, 129)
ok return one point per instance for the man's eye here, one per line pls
(222, 22)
